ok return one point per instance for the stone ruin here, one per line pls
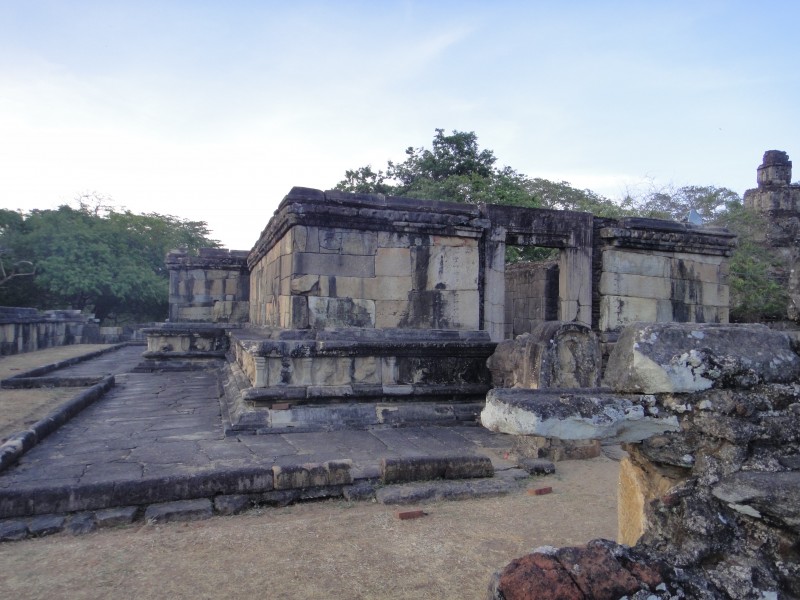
(779, 202)
(357, 310)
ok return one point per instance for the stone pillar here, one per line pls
(494, 289)
(575, 285)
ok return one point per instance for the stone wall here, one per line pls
(213, 287)
(779, 201)
(26, 329)
(531, 296)
(660, 271)
(332, 260)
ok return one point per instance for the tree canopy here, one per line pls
(95, 258)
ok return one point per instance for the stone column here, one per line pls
(494, 284)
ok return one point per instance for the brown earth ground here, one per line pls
(19, 409)
(330, 549)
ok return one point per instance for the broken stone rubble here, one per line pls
(712, 504)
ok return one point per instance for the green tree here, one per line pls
(455, 169)
(97, 259)
(668, 202)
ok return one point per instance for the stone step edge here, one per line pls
(20, 443)
(68, 362)
(191, 509)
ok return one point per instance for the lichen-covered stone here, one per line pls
(654, 358)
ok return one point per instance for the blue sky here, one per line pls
(214, 110)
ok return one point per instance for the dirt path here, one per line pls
(323, 550)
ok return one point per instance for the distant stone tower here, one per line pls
(779, 201)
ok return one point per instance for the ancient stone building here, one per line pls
(358, 299)
(779, 202)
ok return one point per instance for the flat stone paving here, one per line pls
(166, 427)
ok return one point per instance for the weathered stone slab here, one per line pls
(421, 468)
(231, 504)
(81, 523)
(755, 494)
(46, 525)
(413, 493)
(684, 357)
(554, 355)
(181, 510)
(11, 531)
(578, 415)
(112, 517)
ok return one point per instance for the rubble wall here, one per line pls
(709, 507)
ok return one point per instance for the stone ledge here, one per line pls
(20, 443)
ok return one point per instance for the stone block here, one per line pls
(340, 312)
(305, 263)
(537, 466)
(304, 284)
(300, 239)
(683, 357)
(46, 525)
(363, 490)
(12, 531)
(422, 468)
(636, 263)
(231, 504)
(299, 476)
(393, 262)
(576, 415)
(112, 517)
(366, 369)
(180, 510)
(82, 523)
(390, 313)
(553, 355)
(364, 243)
(446, 267)
(618, 311)
(330, 241)
(640, 286)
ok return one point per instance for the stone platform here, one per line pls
(158, 437)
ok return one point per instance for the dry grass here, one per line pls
(19, 363)
(21, 408)
(329, 549)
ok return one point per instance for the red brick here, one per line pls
(411, 514)
(540, 491)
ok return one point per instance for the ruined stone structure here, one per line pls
(779, 202)
(27, 329)
(358, 298)
(709, 494)
(213, 287)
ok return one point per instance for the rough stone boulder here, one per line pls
(600, 570)
(574, 415)
(555, 354)
(652, 358)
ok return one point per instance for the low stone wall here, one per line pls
(27, 329)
